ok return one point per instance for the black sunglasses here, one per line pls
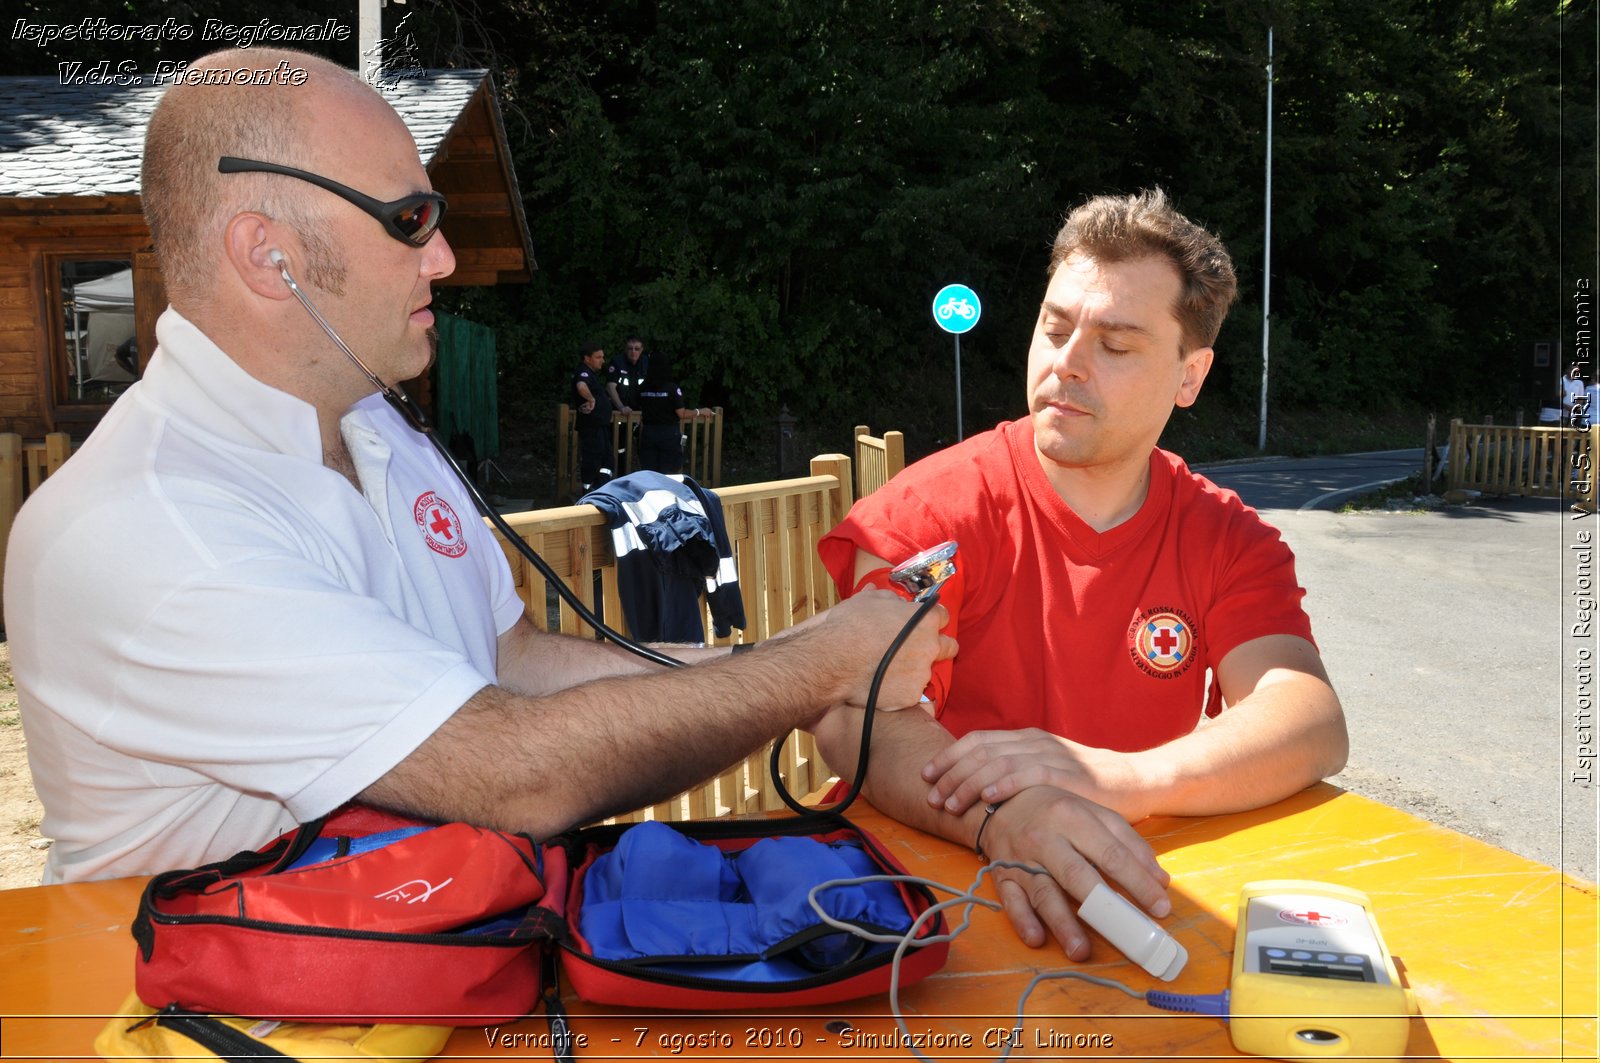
(411, 219)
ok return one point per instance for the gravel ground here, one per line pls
(1444, 632)
(22, 850)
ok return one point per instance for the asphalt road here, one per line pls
(1448, 636)
(1313, 483)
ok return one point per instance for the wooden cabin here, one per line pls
(80, 288)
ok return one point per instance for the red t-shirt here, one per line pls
(1101, 637)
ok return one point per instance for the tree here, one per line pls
(772, 192)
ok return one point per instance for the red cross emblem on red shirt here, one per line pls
(1162, 641)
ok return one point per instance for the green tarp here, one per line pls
(465, 382)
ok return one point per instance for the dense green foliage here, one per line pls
(772, 191)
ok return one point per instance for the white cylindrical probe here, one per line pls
(1133, 933)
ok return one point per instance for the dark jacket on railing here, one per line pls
(671, 546)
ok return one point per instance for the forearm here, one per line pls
(1283, 731)
(901, 743)
(1282, 738)
(537, 662)
(544, 764)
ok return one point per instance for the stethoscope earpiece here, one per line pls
(279, 259)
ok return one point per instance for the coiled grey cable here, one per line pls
(909, 939)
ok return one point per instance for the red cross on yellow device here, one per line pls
(1312, 978)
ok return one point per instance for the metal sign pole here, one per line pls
(956, 309)
(959, 421)
(1266, 259)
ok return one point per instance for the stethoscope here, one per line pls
(413, 415)
(921, 575)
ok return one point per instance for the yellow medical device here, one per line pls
(1312, 979)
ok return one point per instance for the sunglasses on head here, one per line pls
(412, 219)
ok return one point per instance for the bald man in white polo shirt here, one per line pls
(255, 593)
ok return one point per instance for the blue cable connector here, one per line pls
(1213, 1004)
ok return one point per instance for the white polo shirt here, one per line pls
(214, 636)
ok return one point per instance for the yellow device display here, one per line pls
(1312, 978)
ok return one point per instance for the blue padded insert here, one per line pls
(662, 895)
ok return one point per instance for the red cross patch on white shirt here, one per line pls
(441, 528)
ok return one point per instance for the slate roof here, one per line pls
(86, 140)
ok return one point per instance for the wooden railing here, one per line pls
(24, 465)
(774, 528)
(702, 448)
(877, 459)
(1535, 462)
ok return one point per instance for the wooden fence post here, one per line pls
(857, 453)
(57, 449)
(894, 454)
(1458, 453)
(621, 431)
(1427, 456)
(696, 430)
(716, 446)
(12, 479)
(564, 457)
(624, 434)
(839, 499)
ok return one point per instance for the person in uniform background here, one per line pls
(661, 407)
(625, 375)
(594, 417)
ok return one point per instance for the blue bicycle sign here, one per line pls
(956, 308)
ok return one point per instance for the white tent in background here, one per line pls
(112, 293)
(108, 301)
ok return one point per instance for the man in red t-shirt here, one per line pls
(1105, 596)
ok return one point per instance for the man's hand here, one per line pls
(993, 766)
(1080, 844)
(1077, 842)
(863, 626)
